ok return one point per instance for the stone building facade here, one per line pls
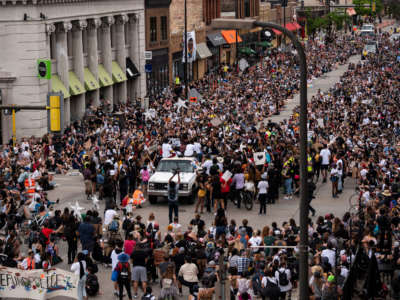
(96, 48)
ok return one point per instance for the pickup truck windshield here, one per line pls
(172, 165)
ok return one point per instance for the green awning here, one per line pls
(90, 81)
(58, 86)
(75, 86)
(117, 73)
(247, 50)
(264, 44)
(104, 77)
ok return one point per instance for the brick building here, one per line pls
(157, 41)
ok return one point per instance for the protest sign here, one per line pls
(259, 158)
(216, 122)
(226, 176)
(37, 284)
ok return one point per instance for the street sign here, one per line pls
(148, 55)
(148, 68)
(44, 68)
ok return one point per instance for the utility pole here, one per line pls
(284, 5)
(186, 55)
(236, 35)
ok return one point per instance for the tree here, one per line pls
(363, 7)
(394, 8)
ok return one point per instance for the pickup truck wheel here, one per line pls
(153, 199)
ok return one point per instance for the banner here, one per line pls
(191, 47)
(37, 284)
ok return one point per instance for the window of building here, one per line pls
(53, 46)
(69, 43)
(247, 8)
(127, 31)
(99, 40)
(84, 41)
(164, 28)
(113, 36)
(153, 29)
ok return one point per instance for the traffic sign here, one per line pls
(148, 68)
(44, 68)
(148, 55)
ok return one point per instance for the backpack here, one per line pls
(271, 290)
(283, 280)
(92, 285)
(123, 271)
(114, 226)
(148, 297)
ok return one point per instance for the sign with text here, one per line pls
(37, 284)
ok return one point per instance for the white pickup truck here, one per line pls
(158, 183)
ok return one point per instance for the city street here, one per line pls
(71, 188)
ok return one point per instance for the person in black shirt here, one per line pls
(139, 272)
(197, 221)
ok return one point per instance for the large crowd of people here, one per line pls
(353, 132)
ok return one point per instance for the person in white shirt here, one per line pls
(334, 179)
(189, 151)
(109, 215)
(207, 164)
(325, 154)
(330, 254)
(79, 269)
(262, 193)
(166, 149)
(255, 241)
(283, 277)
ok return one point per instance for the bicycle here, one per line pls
(246, 198)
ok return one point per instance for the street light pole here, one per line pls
(303, 247)
(303, 275)
(186, 55)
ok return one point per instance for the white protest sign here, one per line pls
(216, 122)
(226, 176)
(37, 284)
(259, 158)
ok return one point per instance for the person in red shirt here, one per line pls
(46, 232)
(225, 189)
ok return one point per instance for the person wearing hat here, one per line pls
(330, 290)
(123, 268)
(262, 193)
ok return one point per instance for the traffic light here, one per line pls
(55, 107)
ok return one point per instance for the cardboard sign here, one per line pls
(37, 284)
(259, 158)
(226, 176)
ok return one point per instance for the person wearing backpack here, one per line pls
(123, 268)
(269, 286)
(92, 283)
(173, 189)
(283, 277)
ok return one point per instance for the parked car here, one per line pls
(370, 47)
(368, 27)
(158, 182)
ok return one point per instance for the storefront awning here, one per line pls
(291, 27)
(216, 39)
(117, 73)
(264, 44)
(75, 85)
(104, 77)
(297, 25)
(58, 86)
(351, 11)
(91, 83)
(247, 50)
(256, 29)
(203, 51)
(131, 70)
(230, 36)
(277, 32)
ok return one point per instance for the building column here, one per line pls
(107, 54)
(93, 55)
(77, 50)
(62, 64)
(134, 54)
(121, 54)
